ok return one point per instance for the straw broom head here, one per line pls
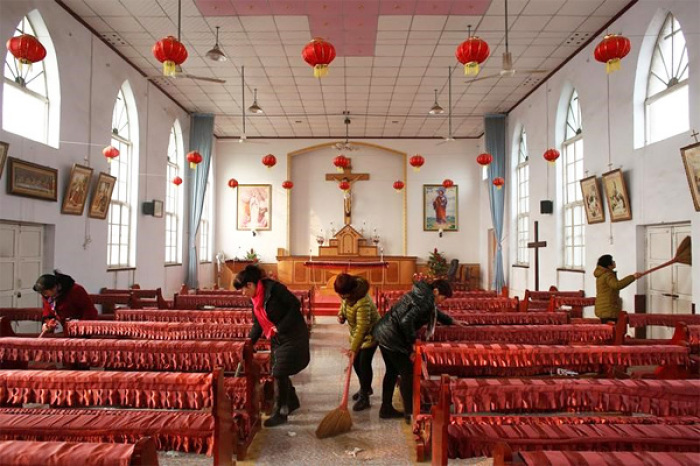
(335, 423)
(684, 253)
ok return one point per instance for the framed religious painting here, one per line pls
(77, 190)
(4, 149)
(101, 196)
(254, 202)
(592, 201)
(440, 208)
(691, 162)
(31, 180)
(617, 197)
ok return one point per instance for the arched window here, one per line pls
(574, 249)
(667, 104)
(31, 105)
(121, 245)
(205, 226)
(174, 197)
(522, 172)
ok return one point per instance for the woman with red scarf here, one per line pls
(277, 315)
(63, 299)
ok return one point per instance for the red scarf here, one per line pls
(268, 327)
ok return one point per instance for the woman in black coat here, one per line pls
(396, 334)
(277, 315)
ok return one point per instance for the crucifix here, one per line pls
(536, 245)
(350, 177)
(695, 135)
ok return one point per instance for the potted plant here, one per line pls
(252, 256)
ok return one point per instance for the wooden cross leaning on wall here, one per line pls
(350, 177)
(536, 245)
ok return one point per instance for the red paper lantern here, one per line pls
(416, 162)
(498, 182)
(611, 50)
(398, 185)
(177, 181)
(194, 158)
(26, 49)
(341, 162)
(551, 155)
(471, 53)
(233, 183)
(170, 52)
(319, 54)
(111, 153)
(448, 183)
(269, 160)
(287, 184)
(484, 159)
(344, 185)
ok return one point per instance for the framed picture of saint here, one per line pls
(616, 194)
(77, 190)
(592, 200)
(691, 162)
(440, 208)
(254, 207)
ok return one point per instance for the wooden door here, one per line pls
(669, 290)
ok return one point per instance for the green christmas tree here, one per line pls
(437, 265)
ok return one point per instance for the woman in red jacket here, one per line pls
(62, 299)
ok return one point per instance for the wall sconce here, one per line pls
(440, 231)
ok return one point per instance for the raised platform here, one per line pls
(326, 304)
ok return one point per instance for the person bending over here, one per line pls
(396, 334)
(360, 312)
(62, 299)
(277, 315)
(607, 297)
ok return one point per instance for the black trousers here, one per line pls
(363, 368)
(398, 364)
(612, 320)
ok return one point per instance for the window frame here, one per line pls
(174, 193)
(522, 200)
(571, 208)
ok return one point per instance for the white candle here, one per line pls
(311, 252)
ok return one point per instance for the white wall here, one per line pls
(656, 179)
(370, 198)
(90, 80)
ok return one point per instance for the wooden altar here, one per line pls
(348, 250)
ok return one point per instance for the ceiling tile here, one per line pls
(428, 22)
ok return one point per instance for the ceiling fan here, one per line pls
(345, 145)
(179, 73)
(450, 137)
(243, 138)
(507, 70)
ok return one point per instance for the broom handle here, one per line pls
(346, 390)
(654, 269)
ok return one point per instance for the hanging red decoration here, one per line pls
(194, 158)
(344, 185)
(177, 181)
(551, 155)
(26, 49)
(287, 184)
(269, 160)
(111, 153)
(341, 162)
(416, 162)
(319, 54)
(233, 183)
(498, 182)
(471, 53)
(171, 53)
(448, 183)
(398, 185)
(484, 159)
(611, 50)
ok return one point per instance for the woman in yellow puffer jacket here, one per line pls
(360, 312)
(607, 296)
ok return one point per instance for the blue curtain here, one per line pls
(495, 138)
(201, 138)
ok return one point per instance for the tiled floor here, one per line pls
(371, 441)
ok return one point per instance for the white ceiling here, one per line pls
(387, 95)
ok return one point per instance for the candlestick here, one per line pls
(311, 254)
(381, 252)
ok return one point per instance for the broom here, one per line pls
(684, 255)
(338, 421)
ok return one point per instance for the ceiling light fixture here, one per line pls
(345, 145)
(255, 108)
(216, 54)
(436, 109)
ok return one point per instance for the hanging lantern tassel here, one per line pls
(471, 68)
(169, 68)
(320, 71)
(612, 65)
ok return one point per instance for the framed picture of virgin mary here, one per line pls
(254, 207)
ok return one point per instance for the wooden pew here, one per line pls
(21, 313)
(109, 302)
(509, 318)
(539, 300)
(240, 316)
(572, 304)
(216, 301)
(185, 412)
(498, 304)
(28, 453)
(565, 334)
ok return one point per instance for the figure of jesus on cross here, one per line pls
(351, 178)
